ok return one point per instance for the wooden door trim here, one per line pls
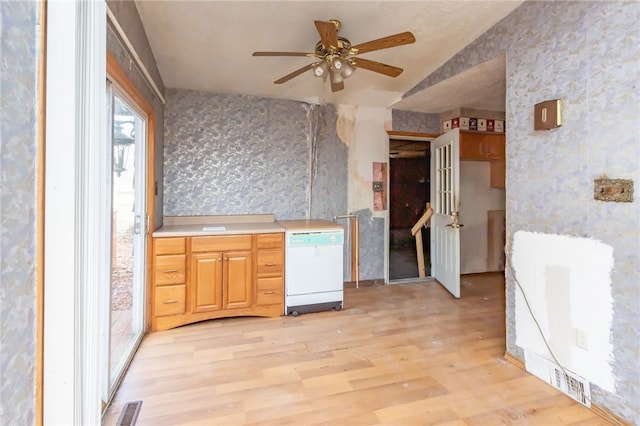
(40, 161)
(117, 74)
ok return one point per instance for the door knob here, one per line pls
(455, 224)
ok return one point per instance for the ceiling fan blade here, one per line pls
(379, 67)
(328, 34)
(294, 74)
(337, 86)
(311, 55)
(385, 42)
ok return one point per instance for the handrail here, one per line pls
(415, 231)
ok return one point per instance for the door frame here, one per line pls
(118, 77)
(73, 237)
(406, 136)
(114, 90)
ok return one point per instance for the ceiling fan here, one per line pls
(338, 57)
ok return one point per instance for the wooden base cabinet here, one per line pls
(229, 275)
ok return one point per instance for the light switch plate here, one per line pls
(619, 190)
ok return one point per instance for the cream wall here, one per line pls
(363, 130)
(477, 197)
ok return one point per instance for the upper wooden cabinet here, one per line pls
(482, 146)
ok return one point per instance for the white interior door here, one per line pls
(445, 200)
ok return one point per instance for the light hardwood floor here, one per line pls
(406, 354)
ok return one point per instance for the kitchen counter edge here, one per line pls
(229, 229)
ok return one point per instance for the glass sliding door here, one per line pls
(128, 235)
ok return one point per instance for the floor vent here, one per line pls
(572, 385)
(129, 414)
(564, 380)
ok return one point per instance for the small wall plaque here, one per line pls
(618, 190)
(548, 115)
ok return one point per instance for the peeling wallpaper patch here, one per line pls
(345, 124)
(567, 282)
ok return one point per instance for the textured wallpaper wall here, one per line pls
(230, 154)
(410, 121)
(587, 54)
(19, 44)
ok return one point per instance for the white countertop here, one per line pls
(193, 226)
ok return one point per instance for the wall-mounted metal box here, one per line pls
(548, 115)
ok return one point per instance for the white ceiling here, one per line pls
(207, 45)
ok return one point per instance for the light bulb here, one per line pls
(347, 69)
(336, 77)
(320, 70)
(337, 64)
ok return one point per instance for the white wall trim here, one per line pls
(74, 210)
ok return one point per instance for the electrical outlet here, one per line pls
(582, 340)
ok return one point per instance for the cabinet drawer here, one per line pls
(270, 261)
(220, 243)
(170, 269)
(169, 245)
(170, 300)
(269, 297)
(270, 291)
(270, 240)
(272, 283)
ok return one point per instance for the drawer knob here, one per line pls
(170, 271)
(167, 302)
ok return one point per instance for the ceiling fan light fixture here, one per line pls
(336, 76)
(321, 69)
(347, 69)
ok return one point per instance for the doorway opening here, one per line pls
(409, 193)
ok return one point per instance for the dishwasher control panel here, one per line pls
(314, 238)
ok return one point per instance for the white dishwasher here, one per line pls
(313, 266)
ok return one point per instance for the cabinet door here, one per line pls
(481, 146)
(471, 148)
(238, 280)
(206, 281)
(498, 173)
(495, 148)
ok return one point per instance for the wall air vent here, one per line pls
(562, 379)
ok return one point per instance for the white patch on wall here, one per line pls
(567, 282)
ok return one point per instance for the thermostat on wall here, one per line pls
(548, 115)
